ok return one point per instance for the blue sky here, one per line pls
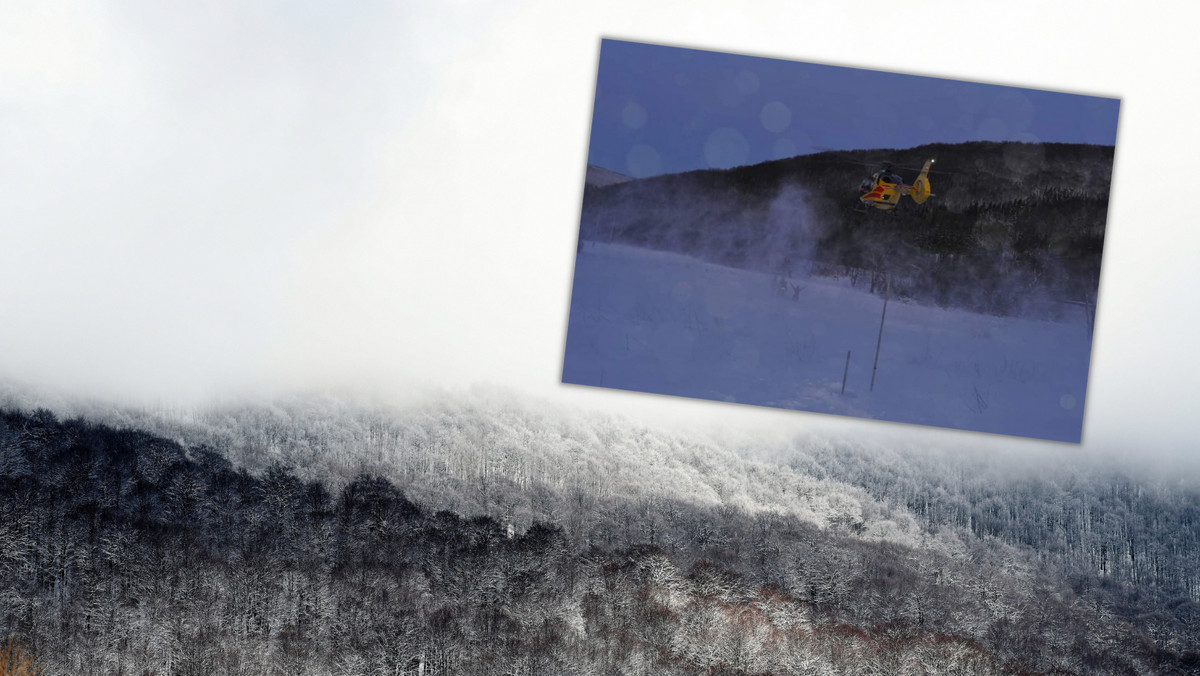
(666, 109)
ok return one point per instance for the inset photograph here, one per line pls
(839, 240)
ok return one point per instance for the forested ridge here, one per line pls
(314, 536)
(1013, 228)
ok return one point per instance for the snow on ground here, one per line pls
(665, 323)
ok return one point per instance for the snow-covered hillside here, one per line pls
(600, 177)
(665, 323)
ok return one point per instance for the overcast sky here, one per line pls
(662, 109)
(224, 197)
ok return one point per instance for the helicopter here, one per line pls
(884, 188)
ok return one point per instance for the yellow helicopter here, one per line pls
(885, 188)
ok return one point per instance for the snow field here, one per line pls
(665, 323)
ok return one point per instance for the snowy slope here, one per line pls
(599, 176)
(665, 323)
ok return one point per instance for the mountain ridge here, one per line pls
(1007, 221)
(1029, 575)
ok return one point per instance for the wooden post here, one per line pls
(879, 342)
(846, 371)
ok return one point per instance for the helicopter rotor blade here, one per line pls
(877, 164)
(918, 169)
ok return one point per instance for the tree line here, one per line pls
(127, 552)
(1014, 228)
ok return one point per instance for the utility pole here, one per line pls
(846, 371)
(879, 342)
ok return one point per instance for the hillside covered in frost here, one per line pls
(488, 534)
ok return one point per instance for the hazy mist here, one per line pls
(221, 199)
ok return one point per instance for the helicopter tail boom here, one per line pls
(921, 188)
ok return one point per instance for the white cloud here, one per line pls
(204, 196)
(48, 47)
